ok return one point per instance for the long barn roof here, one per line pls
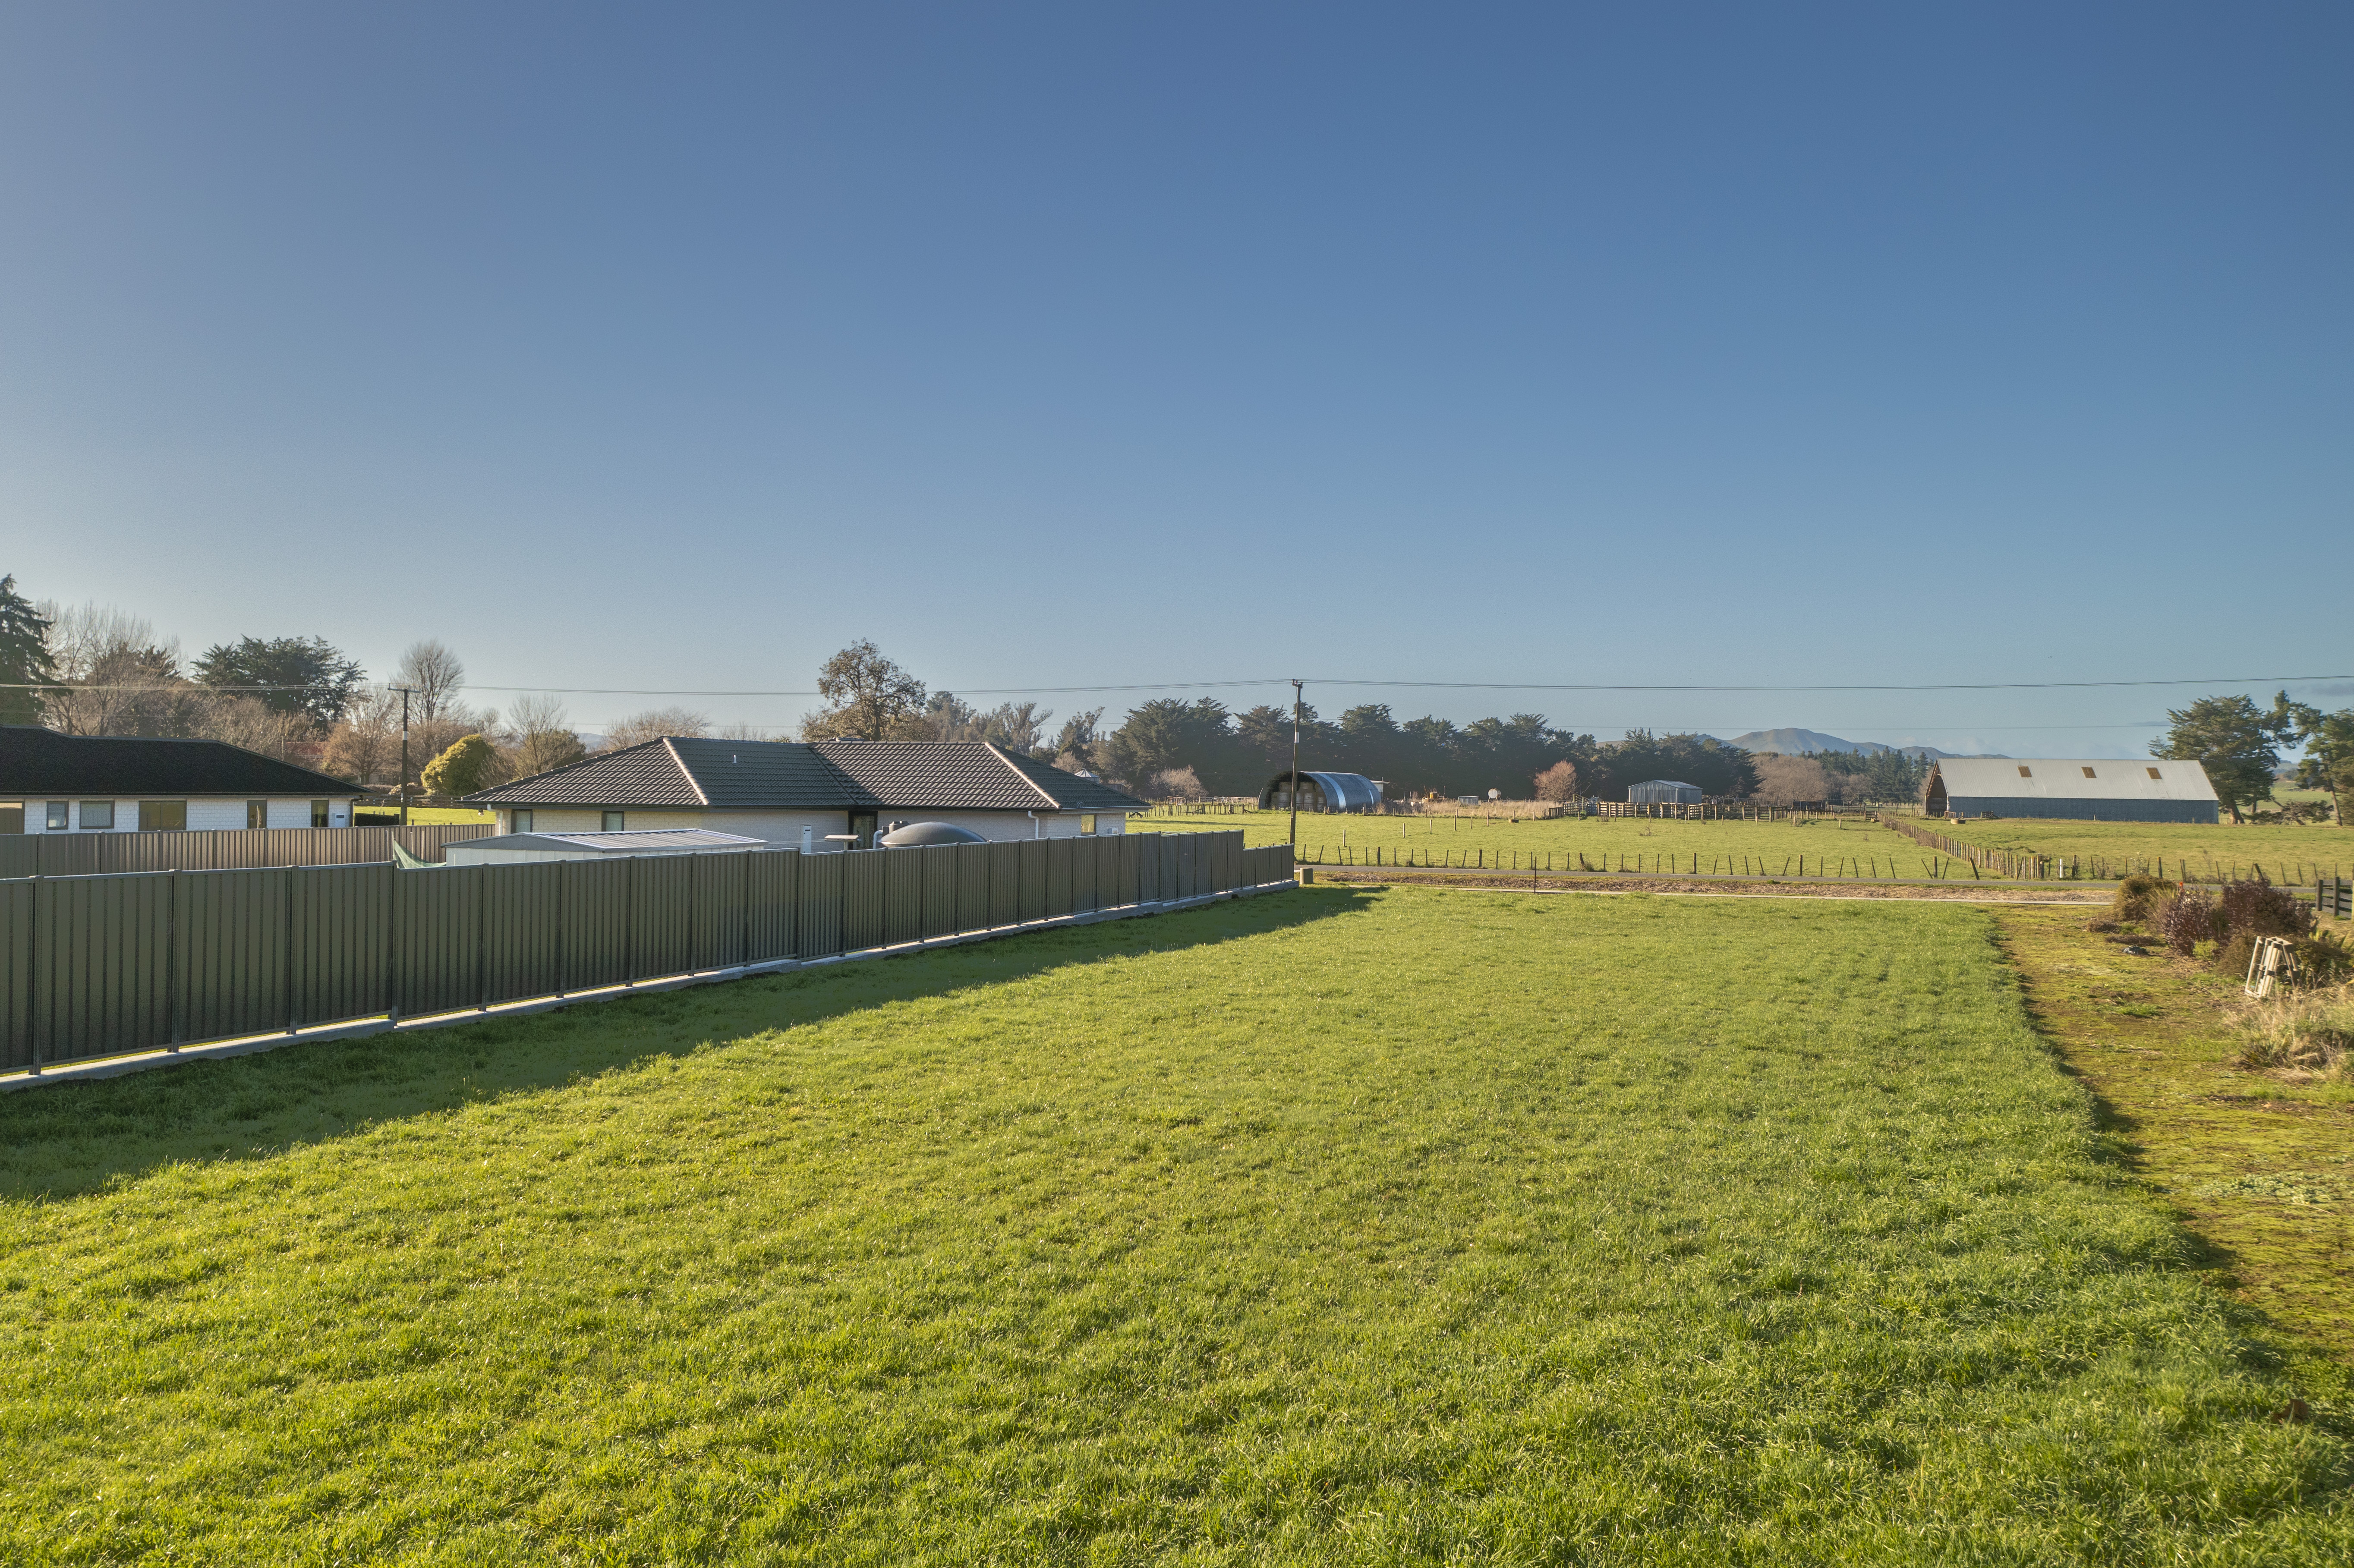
(2074, 778)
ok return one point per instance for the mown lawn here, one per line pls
(1637, 843)
(1343, 1225)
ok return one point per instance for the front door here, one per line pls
(862, 829)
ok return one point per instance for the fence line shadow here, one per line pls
(69, 1139)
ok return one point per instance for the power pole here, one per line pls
(404, 691)
(1295, 766)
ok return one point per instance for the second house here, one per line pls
(828, 794)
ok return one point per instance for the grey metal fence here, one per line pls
(232, 849)
(99, 965)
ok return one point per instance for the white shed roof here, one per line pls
(2074, 778)
(640, 841)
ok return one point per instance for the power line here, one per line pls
(1313, 680)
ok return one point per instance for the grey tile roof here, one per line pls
(833, 775)
(35, 761)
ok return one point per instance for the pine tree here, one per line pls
(24, 658)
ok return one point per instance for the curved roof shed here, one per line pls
(1320, 793)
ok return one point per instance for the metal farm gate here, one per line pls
(99, 965)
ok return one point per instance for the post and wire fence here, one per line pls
(104, 965)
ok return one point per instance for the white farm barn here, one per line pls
(2088, 788)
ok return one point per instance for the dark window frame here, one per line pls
(81, 817)
(520, 820)
(179, 809)
(615, 822)
(322, 814)
(257, 814)
(57, 816)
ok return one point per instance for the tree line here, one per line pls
(93, 670)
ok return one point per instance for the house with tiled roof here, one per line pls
(822, 794)
(53, 783)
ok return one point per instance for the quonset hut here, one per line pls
(1320, 793)
(2090, 788)
(1663, 793)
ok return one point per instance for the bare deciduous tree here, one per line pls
(1786, 780)
(436, 676)
(365, 746)
(1558, 784)
(653, 723)
(539, 738)
(1178, 784)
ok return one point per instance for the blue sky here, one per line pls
(674, 347)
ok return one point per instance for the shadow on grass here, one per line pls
(72, 1138)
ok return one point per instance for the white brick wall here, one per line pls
(206, 813)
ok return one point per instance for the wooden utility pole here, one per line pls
(1295, 767)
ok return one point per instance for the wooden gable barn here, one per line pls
(2089, 789)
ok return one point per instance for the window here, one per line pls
(318, 813)
(2027, 773)
(163, 816)
(12, 816)
(2154, 773)
(1086, 821)
(257, 813)
(97, 815)
(2089, 773)
(613, 822)
(61, 816)
(523, 821)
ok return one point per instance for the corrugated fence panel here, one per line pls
(107, 855)
(522, 937)
(1136, 882)
(593, 938)
(16, 973)
(661, 913)
(774, 886)
(1062, 861)
(1031, 903)
(343, 932)
(229, 953)
(437, 939)
(903, 897)
(941, 906)
(821, 889)
(719, 885)
(973, 864)
(1004, 884)
(861, 899)
(101, 966)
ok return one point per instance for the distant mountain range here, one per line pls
(1797, 742)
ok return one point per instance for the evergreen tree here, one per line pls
(469, 765)
(307, 675)
(2237, 742)
(24, 656)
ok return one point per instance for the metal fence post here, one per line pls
(291, 875)
(173, 1018)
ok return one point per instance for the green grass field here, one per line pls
(1338, 1226)
(2141, 845)
(1605, 842)
(419, 815)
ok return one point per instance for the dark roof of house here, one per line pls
(35, 761)
(829, 775)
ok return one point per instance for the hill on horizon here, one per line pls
(1798, 742)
